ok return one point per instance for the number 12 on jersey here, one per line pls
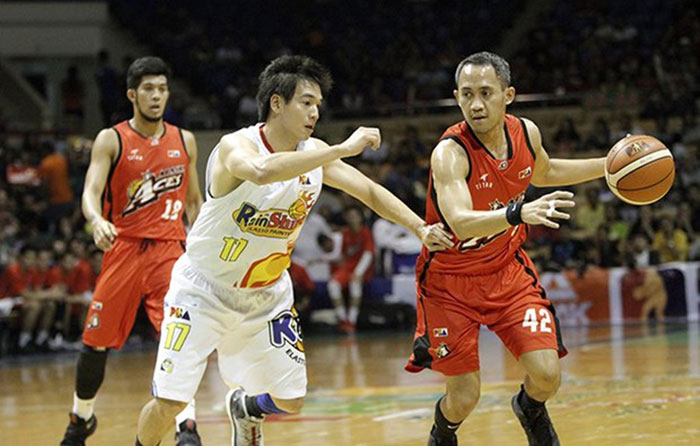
(233, 247)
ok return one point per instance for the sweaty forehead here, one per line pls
(478, 76)
(155, 80)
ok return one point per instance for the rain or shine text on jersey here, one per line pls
(245, 238)
(147, 185)
(492, 184)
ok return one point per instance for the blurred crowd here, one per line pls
(638, 58)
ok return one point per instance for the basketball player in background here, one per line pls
(480, 170)
(142, 177)
(231, 292)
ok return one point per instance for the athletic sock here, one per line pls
(527, 403)
(258, 405)
(186, 414)
(83, 408)
(444, 427)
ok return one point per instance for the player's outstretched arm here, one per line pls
(193, 198)
(450, 168)
(560, 172)
(241, 159)
(104, 152)
(343, 176)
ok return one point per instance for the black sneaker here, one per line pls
(537, 425)
(247, 430)
(78, 430)
(434, 440)
(188, 435)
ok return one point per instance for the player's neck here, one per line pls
(278, 138)
(147, 129)
(495, 141)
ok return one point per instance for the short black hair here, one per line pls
(499, 64)
(146, 66)
(283, 74)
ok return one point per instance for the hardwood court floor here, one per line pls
(621, 386)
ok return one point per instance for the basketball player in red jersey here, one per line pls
(479, 172)
(142, 177)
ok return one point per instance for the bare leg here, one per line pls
(155, 420)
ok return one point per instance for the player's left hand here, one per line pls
(435, 237)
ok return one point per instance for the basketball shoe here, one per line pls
(78, 430)
(435, 440)
(536, 423)
(188, 435)
(247, 430)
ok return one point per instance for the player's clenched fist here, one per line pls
(104, 233)
(435, 237)
(547, 207)
(361, 138)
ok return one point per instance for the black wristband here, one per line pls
(513, 213)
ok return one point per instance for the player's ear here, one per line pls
(455, 93)
(510, 95)
(131, 95)
(276, 102)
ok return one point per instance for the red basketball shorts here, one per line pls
(451, 308)
(132, 270)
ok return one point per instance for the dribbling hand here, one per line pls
(104, 233)
(435, 237)
(545, 208)
(361, 138)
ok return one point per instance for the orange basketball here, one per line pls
(639, 169)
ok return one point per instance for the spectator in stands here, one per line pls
(599, 137)
(566, 138)
(590, 215)
(315, 248)
(109, 88)
(626, 126)
(354, 270)
(671, 242)
(640, 254)
(19, 283)
(54, 174)
(51, 288)
(644, 224)
(73, 96)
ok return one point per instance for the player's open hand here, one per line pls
(435, 237)
(361, 138)
(104, 233)
(547, 207)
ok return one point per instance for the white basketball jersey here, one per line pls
(245, 238)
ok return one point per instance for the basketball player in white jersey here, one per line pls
(230, 291)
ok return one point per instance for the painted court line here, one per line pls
(405, 413)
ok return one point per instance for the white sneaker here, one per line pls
(246, 430)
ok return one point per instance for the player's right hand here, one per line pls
(104, 233)
(361, 138)
(547, 207)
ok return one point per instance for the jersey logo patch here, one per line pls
(134, 155)
(173, 154)
(274, 223)
(525, 173)
(146, 190)
(285, 329)
(503, 165)
(484, 183)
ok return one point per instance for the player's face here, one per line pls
(150, 97)
(301, 113)
(482, 98)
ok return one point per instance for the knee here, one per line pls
(169, 408)
(547, 378)
(293, 406)
(464, 401)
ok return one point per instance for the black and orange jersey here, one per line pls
(147, 185)
(492, 184)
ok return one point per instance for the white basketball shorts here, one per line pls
(256, 334)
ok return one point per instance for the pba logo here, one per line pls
(179, 313)
(440, 332)
(285, 329)
(146, 190)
